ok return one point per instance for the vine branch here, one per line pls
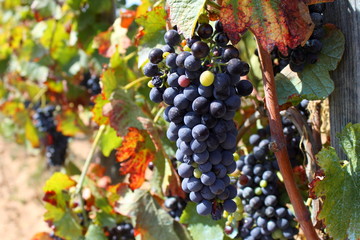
(279, 145)
(84, 171)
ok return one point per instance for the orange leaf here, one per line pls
(134, 156)
(96, 171)
(127, 17)
(42, 236)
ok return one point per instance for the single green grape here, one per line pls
(263, 183)
(207, 78)
(258, 191)
(197, 173)
(277, 234)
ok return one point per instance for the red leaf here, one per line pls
(134, 156)
(300, 174)
(285, 23)
(319, 175)
(50, 197)
(103, 43)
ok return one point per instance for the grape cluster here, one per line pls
(201, 85)
(56, 142)
(258, 187)
(175, 205)
(307, 54)
(91, 83)
(122, 231)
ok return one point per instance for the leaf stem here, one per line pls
(279, 145)
(88, 159)
(84, 171)
(131, 84)
(158, 114)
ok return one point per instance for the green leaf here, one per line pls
(95, 233)
(109, 141)
(2, 90)
(34, 71)
(124, 112)
(31, 133)
(46, 8)
(143, 53)
(314, 81)
(151, 220)
(69, 123)
(72, 169)
(161, 174)
(153, 23)
(106, 219)
(56, 184)
(99, 6)
(201, 227)
(65, 224)
(185, 13)
(340, 187)
(97, 110)
(112, 81)
(247, 48)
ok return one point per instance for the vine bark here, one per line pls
(279, 146)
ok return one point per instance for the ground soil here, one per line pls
(23, 172)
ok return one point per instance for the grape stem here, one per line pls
(279, 145)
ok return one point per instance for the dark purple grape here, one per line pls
(244, 87)
(172, 38)
(200, 49)
(155, 55)
(230, 52)
(221, 39)
(205, 30)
